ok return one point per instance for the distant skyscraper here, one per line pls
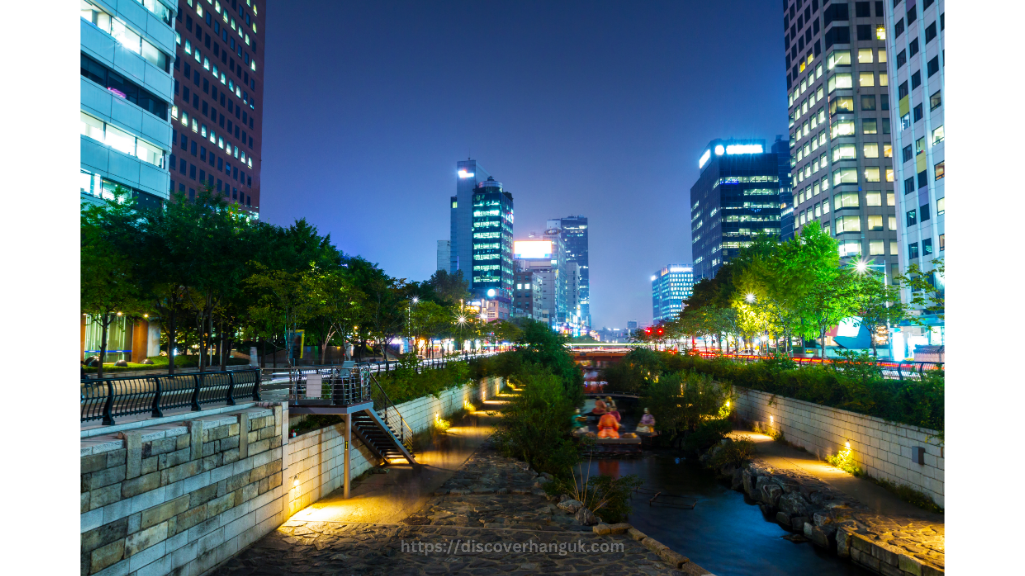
(444, 254)
(786, 192)
(839, 102)
(574, 234)
(492, 243)
(217, 118)
(918, 74)
(468, 175)
(735, 198)
(670, 286)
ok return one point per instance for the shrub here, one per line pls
(844, 460)
(736, 453)
(607, 497)
(708, 433)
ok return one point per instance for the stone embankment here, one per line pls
(813, 510)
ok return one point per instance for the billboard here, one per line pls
(532, 249)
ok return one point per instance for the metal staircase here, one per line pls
(354, 390)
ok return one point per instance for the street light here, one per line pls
(861, 267)
(750, 298)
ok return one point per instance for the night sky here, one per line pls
(594, 108)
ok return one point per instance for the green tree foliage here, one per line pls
(536, 423)
(541, 346)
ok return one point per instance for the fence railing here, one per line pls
(388, 412)
(109, 398)
(890, 370)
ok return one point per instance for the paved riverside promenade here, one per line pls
(881, 527)
(487, 517)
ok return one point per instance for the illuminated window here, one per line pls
(841, 105)
(875, 222)
(937, 135)
(890, 199)
(865, 56)
(840, 81)
(876, 248)
(850, 248)
(868, 126)
(873, 199)
(866, 79)
(871, 174)
(845, 200)
(880, 33)
(845, 152)
(940, 210)
(841, 128)
(884, 79)
(892, 226)
(871, 150)
(838, 58)
(889, 174)
(848, 224)
(938, 170)
(882, 55)
(887, 150)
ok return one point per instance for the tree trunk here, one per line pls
(224, 350)
(822, 344)
(172, 340)
(105, 322)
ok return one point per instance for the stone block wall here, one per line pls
(885, 450)
(317, 459)
(181, 497)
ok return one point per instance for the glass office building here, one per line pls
(670, 286)
(492, 244)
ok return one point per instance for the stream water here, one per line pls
(723, 533)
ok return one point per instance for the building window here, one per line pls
(845, 176)
(892, 225)
(875, 222)
(909, 185)
(890, 199)
(927, 246)
(937, 135)
(916, 79)
(943, 244)
(880, 33)
(839, 81)
(902, 58)
(940, 211)
(871, 150)
(876, 248)
(938, 171)
(845, 200)
(872, 174)
(923, 179)
(866, 56)
(850, 248)
(873, 199)
(868, 102)
(912, 217)
(935, 100)
(868, 126)
(923, 213)
(933, 66)
(898, 28)
(866, 79)
(847, 224)
(907, 153)
(884, 101)
(913, 250)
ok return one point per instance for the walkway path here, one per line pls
(883, 519)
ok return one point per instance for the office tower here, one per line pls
(670, 286)
(492, 243)
(786, 192)
(631, 325)
(127, 50)
(735, 198)
(841, 158)
(574, 234)
(126, 95)
(217, 117)
(915, 36)
(468, 175)
(444, 254)
(539, 274)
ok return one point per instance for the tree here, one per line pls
(925, 294)
(338, 306)
(450, 288)
(877, 303)
(108, 287)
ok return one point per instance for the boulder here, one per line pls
(672, 558)
(823, 536)
(586, 518)
(121, 363)
(770, 494)
(570, 506)
(797, 523)
(602, 529)
(793, 504)
(564, 497)
(620, 528)
(821, 519)
(636, 534)
(749, 479)
(737, 483)
(767, 511)
(783, 520)
(146, 361)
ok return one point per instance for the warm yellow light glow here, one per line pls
(847, 445)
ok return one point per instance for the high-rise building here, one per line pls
(468, 175)
(492, 244)
(915, 36)
(670, 286)
(444, 254)
(574, 234)
(217, 117)
(539, 276)
(781, 148)
(735, 198)
(127, 50)
(837, 85)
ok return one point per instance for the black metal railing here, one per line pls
(389, 413)
(110, 398)
(338, 386)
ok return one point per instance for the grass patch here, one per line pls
(910, 495)
(844, 460)
(161, 362)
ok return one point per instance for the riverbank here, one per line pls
(850, 516)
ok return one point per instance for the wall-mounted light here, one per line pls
(847, 444)
(295, 481)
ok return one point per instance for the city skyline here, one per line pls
(462, 95)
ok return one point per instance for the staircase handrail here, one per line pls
(405, 438)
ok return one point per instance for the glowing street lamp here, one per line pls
(750, 298)
(861, 267)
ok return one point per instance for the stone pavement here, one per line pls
(491, 501)
(853, 516)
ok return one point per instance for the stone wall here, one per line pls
(885, 450)
(181, 497)
(317, 459)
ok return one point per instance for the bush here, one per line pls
(708, 433)
(737, 453)
(607, 497)
(683, 400)
(536, 423)
(404, 383)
